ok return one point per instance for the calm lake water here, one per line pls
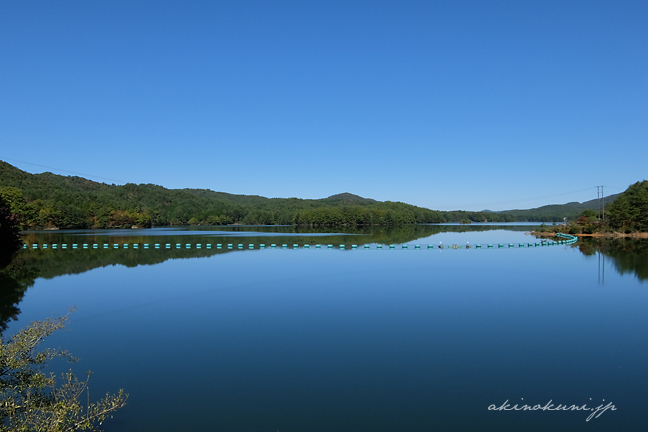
(321, 339)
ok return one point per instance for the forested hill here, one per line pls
(556, 212)
(52, 201)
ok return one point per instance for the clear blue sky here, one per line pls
(442, 104)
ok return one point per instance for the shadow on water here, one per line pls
(15, 278)
(628, 255)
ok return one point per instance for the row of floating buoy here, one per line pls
(569, 240)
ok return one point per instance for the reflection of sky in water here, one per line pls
(170, 233)
(330, 340)
(498, 234)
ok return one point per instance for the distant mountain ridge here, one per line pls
(556, 212)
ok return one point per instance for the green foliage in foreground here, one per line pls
(31, 400)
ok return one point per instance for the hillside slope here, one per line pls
(52, 201)
(556, 212)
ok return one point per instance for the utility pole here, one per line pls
(598, 200)
(603, 201)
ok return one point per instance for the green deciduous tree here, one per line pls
(31, 400)
(588, 214)
(13, 198)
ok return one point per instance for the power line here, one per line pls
(519, 200)
(59, 169)
(601, 201)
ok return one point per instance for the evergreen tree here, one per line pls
(629, 212)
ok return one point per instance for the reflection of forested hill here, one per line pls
(51, 263)
(14, 281)
(31, 264)
(628, 255)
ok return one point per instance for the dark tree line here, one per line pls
(10, 240)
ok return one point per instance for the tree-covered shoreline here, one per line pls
(626, 216)
(50, 201)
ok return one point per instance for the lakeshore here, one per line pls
(598, 234)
